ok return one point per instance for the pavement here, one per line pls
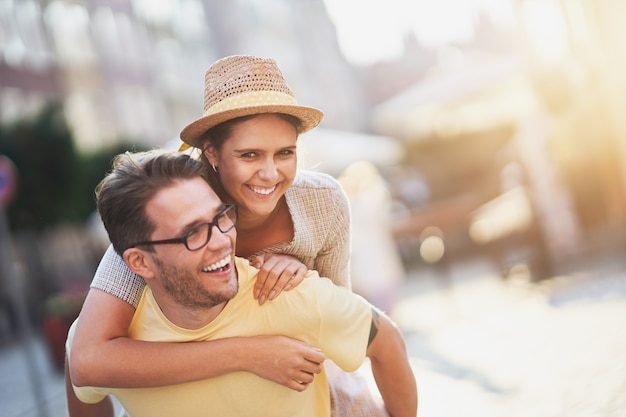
(480, 346)
(486, 347)
(30, 386)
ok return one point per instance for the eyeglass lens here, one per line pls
(200, 236)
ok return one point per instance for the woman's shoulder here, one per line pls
(316, 191)
(317, 180)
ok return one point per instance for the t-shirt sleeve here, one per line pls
(89, 395)
(344, 325)
(114, 277)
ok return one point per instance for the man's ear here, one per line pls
(139, 262)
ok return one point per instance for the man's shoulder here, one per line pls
(323, 292)
(245, 270)
(242, 264)
(313, 289)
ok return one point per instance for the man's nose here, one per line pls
(219, 239)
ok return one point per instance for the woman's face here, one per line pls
(257, 162)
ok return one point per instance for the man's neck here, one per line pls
(185, 317)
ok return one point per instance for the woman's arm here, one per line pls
(103, 355)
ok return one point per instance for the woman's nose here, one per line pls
(268, 171)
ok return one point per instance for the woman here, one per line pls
(287, 224)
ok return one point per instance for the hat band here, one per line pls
(251, 99)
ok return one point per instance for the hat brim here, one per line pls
(309, 118)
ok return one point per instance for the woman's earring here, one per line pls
(213, 165)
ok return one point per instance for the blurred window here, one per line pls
(33, 49)
(268, 16)
(156, 13)
(133, 55)
(105, 34)
(12, 47)
(69, 26)
(189, 22)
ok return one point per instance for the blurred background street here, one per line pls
(486, 348)
(481, 144)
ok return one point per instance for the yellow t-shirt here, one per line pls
(316, 312)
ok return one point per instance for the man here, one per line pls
(197, 290)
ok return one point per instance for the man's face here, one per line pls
(197, 279)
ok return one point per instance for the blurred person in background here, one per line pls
(198, 290)
(377, 269)
(289, 221)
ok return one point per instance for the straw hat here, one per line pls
(242, 85)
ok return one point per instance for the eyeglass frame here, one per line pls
(183, 239)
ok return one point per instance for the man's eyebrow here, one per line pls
(196, 222)
(374, 326)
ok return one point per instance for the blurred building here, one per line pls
(523, 152)
(134, 69)
(535, 109)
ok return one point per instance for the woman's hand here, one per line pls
(276, 273)
(286, 361)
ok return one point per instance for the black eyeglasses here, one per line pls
(199, 236)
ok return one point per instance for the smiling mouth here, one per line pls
(262, 190)
(219, 266)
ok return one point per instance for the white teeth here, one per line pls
(217, 265)
(264, 191)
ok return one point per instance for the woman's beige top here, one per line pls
(321, 217)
